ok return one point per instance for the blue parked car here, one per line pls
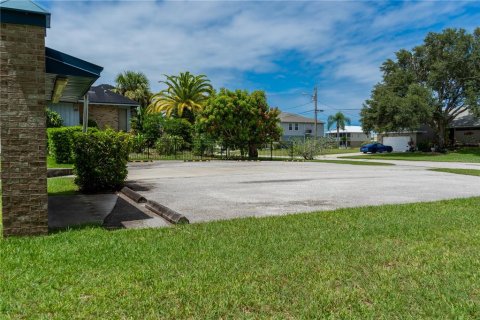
(375, 147)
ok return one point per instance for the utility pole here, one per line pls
(315, 100)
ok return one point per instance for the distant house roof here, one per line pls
(24, 12)
(348, 129)
(292, 117)
(103, 94)
(466, 120)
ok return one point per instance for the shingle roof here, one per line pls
(292, 117)
(103, 94)
(466, 120)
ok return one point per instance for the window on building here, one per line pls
(296, 126)
(290, 126)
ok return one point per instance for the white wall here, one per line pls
(301, 132)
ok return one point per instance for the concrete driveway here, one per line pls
(204, 191)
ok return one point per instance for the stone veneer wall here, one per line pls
(22, 130)
(104, 115)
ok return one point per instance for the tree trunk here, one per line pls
(252, 151)
(338, 136)
(442, 135)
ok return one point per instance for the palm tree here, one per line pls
(133, 85)
(340, 120)
(184, 91)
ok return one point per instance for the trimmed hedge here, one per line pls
(60, 143)
(100, 160)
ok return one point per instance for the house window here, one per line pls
(296, 126)
(290, 126)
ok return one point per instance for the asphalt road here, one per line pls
(205, 191)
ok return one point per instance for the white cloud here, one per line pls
(344, 43)
(217, 38)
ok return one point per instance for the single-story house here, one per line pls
(351, 136)
(105, 107)
(400, 141)
(296, 126)
(465, 130)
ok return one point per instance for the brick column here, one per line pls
(22, 130)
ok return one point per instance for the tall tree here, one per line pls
(431, 84)
(239, 119)
(184, 92)
(133, 85)
(340, 121)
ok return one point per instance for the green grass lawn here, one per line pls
(399, 261)
(471, 172)
(61, 186)
(355, 162)
(51, 163)
(464, 155)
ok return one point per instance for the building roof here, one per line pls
(466, 120)
(348, 129)
(64, 64)
(103, 94)
(24, 12)
(292, 117)
(80, 75)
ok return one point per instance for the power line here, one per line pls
(301, 105)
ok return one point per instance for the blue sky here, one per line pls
(283, 47)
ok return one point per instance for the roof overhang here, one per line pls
(68, 78)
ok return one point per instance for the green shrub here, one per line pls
(54, 119)
(178, 127)
(152, 128)
(100, 161)
(202, 145)
(60, 143)
(311, 147)
(139, 143)
(170, 145)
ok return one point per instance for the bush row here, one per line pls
(100, 161)
(60, 143)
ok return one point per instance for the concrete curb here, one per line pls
(135, 196)
(167, 213)
(59, 172)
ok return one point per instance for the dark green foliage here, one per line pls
(202, 145)
(432, 84)
(100, 161)
(240, 120)
(152, 128)
(92, 123)
(170, 144)
(60, 143)
(139, 143)
(178, 127)
(54, 119)
(138, 119)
